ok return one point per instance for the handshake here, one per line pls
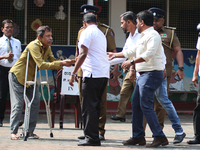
(67, 62)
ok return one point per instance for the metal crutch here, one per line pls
(26, 99)
(28, 103)
(47, 104)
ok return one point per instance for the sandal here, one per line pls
(33, 136)
(30, 136)
(14, 137)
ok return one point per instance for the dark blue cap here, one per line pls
(157, 12)
(89, 8)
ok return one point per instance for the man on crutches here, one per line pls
(40, 52)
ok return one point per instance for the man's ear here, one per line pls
(2, 29)
(163, 21)
(142, 23)
(39, 37)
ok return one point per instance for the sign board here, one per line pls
(66, 88)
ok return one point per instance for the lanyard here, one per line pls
(9, 44)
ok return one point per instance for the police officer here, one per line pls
(111, 47)
(169, 41)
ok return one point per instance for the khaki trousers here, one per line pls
(125, 95)
(103, 107)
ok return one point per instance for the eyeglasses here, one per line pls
(9, 27)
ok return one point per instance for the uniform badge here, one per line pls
(111, 33)
(163, 35)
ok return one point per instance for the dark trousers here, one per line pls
(142, 104)
(196, 117)
(92, 91)
(3, 89)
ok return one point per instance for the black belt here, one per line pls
(5, 68)
(141, 73)
(148, 71)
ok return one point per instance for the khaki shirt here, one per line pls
(38, 55)
(166, 36)
(110, 37)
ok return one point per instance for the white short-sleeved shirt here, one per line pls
(96, 62)
(198, 47)
(16, 47)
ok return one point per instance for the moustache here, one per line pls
(50, 41)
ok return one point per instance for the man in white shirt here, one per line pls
(196, 114)
(92, 59)
(148, 62)
(128, 24)
(10, 51)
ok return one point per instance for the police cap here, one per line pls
(89, 8)
(157, 12)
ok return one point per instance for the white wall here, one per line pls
(117, 7)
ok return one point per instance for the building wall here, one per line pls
(117, 7)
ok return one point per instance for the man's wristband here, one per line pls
(181, 68)
(132, 69)
(73, 75)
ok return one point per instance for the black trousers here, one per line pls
(92, 90)
(4, 87)
(196, 117)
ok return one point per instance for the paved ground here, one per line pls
(66, 138)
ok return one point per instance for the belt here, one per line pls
(148, 71)
(141, 73)
(2, 67)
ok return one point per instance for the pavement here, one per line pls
(66, 138)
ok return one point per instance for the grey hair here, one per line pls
(41, 30)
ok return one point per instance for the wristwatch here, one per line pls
(132, 62)
(73, 75)
(181, 68)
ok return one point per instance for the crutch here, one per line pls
(26, 99)
(28, 103)
(47, 103)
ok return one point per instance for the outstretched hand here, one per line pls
(67, 62)
(111, 55)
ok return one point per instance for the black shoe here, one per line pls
(118, 118)
(101, 137)
(194, 141)
(87, 143)
(179, 138)
(1, 123)
(20, 123)
(81, 137)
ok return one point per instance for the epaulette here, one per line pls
(102, 24)
(172, 28)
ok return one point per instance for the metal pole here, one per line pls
(25, 23)
(90, 2)
(167, 19)
(69, 13)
